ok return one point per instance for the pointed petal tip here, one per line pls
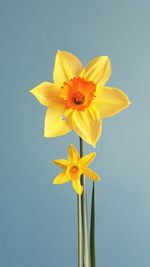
(93, 143)
(55, 182)
(93, 154)
(99, 178)
(104, 56)
(128, 102)
(59, 52)
(32, 91)
(71, 146)
(45, 135)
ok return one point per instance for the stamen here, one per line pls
(75, 168)
(78, 99)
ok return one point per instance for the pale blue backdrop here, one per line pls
(37, 219)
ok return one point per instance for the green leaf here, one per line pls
(92, 229)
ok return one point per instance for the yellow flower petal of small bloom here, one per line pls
(47, 93)
(87, 125)
(110, 101)
(62, 163)
(73, 155)
(61, 178)
(77, 100)
(98, 70)
(74, 167)
(66, 67)
(91, 174)
(86, 160)
(77, 186)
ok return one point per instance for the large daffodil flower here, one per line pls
(74, 167)
(78, 99)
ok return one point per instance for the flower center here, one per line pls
(74, 169)
(78, 98)
(78, 93)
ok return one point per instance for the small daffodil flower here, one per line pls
(74, 167)
(78, 99)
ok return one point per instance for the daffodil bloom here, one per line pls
(78, 99)
(74, 167)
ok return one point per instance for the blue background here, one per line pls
(38, 220)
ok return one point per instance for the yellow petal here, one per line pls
(61, 178)
(86, 160)
(56, 123)
(91, 174)
(77, 186)
(66, 67)
(73, 155)
(98, 70)
(62, 163)
(110, 101)
(46, 93)
(87, 125)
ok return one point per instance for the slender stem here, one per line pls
(84, 215)
(92, 230)
(79, 231)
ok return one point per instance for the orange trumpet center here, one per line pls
(75, 169)
(78, 93)
(74, 172)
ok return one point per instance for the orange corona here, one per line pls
(78, 93)
(75, 168)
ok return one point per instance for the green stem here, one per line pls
(92, 230)
(79, 231)
(84, 215)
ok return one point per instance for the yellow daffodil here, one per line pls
(74, 167)
(78, 99)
